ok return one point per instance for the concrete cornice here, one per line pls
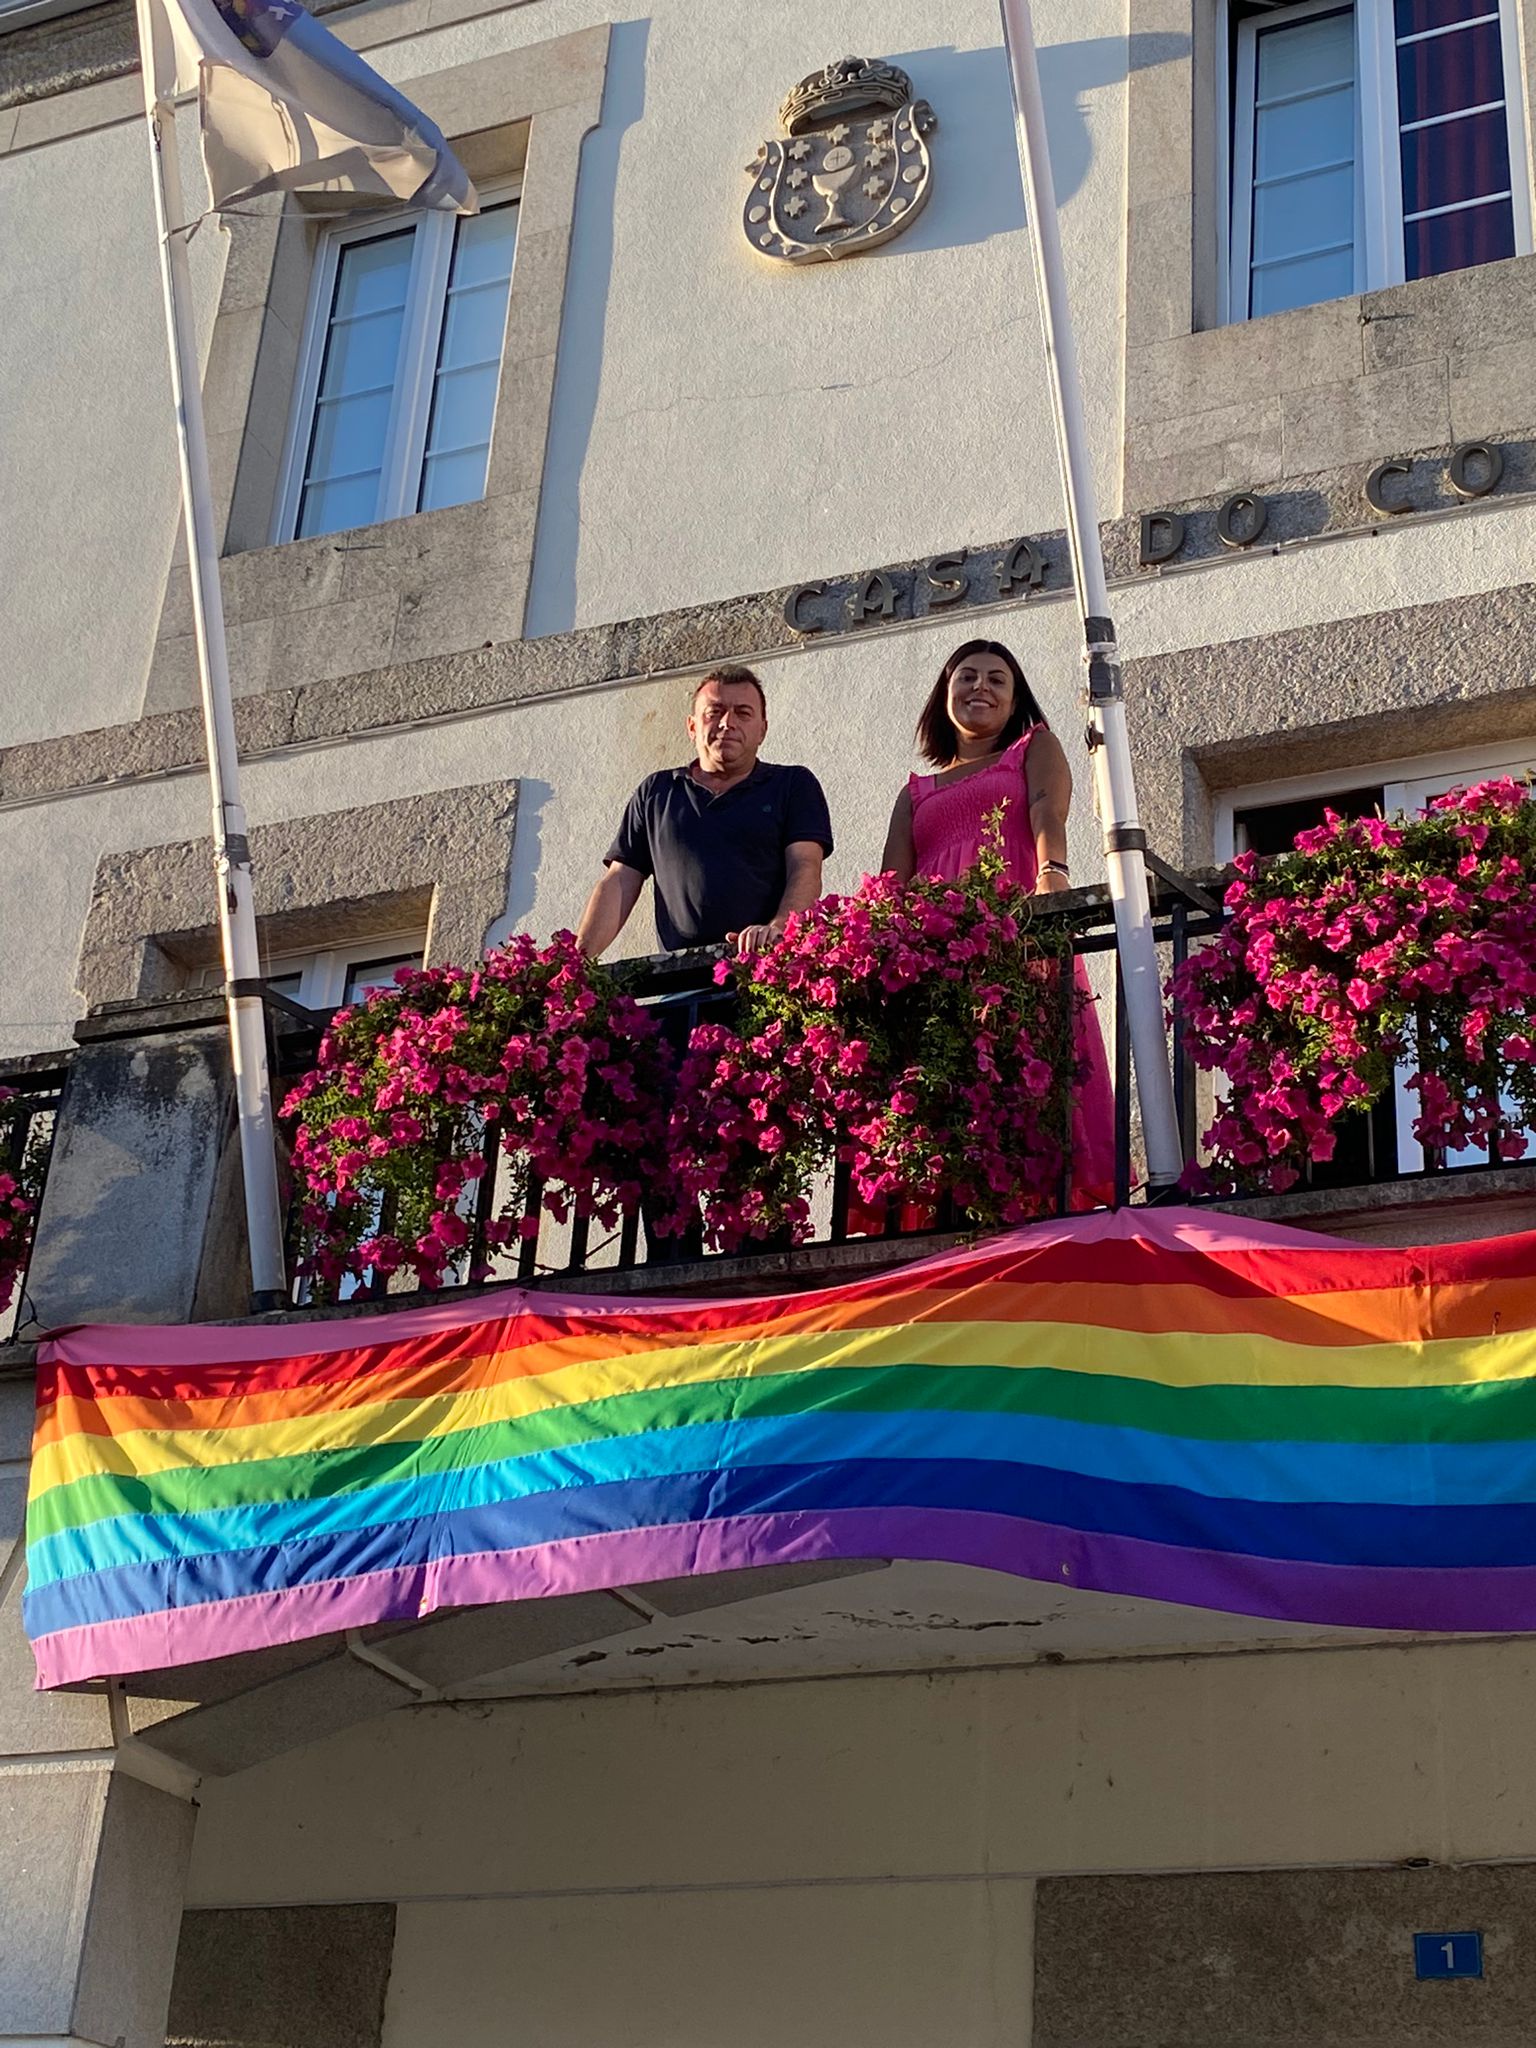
(80, 71)
(442, 688)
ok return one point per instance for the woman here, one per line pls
(988, 740)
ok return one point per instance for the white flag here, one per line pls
(287, 107)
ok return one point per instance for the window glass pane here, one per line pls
(469, 359)
(371, 276)
(1298, 135)
(1303, 201)
(1449, 73)
(1272, 828)
(1307, 282)
(329, 508)
(1455, 241)
(286, 984)
(362, 355)
(462, 408)
(1307, 56)
(349, 432)
(363, 975)
(482, 250)
(1455, 161)
(1414, 16)
(1466, 159)
(474, 326)
(456, 479)
(345, 458)
(1303, 215)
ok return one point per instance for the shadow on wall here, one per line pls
(977, 193)
(1068, 71)
(532, 796)
(579, 366)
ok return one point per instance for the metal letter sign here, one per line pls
(1448, 1955)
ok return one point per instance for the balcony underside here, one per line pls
(739, 1628)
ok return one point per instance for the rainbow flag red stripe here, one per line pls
(1161, 1403)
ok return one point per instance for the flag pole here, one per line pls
(231, 845)
(1115, 786)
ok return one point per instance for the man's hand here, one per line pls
(754, 938)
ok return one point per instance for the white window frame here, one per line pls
(1379, 222)
(1407, 782)
(410, 410)
(323, 972)
(1407, 785)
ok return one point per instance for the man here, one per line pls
(734, 843)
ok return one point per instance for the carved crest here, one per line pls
(851, 170)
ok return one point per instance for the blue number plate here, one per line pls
(1448, 1955)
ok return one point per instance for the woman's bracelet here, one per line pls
(1058, 867)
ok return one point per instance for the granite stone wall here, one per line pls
(1282, 1959)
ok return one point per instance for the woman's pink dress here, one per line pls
(949, 820)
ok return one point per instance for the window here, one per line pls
(396, 393)
(337, 975)
(1265, 819)
(1370, 144)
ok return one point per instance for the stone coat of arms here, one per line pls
(851, 169)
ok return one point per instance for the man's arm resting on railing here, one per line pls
(802, 886)
(608, 908)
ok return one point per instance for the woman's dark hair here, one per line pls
(937, 740)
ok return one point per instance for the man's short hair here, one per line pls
(734, 676)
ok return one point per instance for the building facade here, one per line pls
(490, 497)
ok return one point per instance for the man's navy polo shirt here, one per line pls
(718, 858)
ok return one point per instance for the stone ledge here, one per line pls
(30, 1065)
(52, 60)
(1380, 1213)
(106, 1021)
(744, 628)
(1451, 673)
(311, 1974)
(438, 860)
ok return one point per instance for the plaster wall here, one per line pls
(720, 424)
(844, 704)
(1310, 1757)
(850, 1860)
(850, 1966)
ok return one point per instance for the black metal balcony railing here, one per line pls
(30, 1092)
(682, 986)
(1367, 1151)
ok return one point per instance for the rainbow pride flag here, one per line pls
(1168, 1404)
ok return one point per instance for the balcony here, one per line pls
(1362, 1193)
(141, 1221)
(846, 1238)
